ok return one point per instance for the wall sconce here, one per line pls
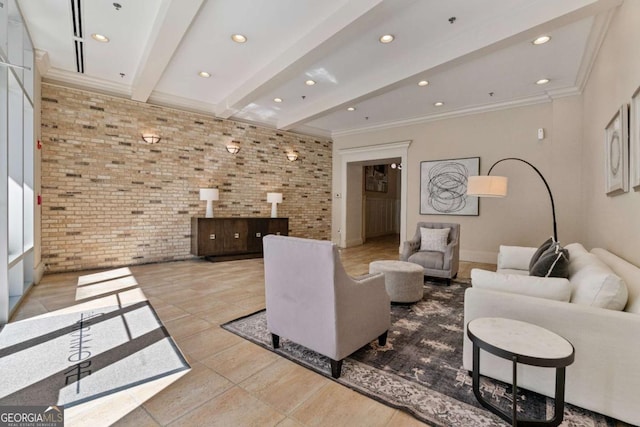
(274, 199)
(233, 147)
(292, 156)
(151, 138)
(209, 194)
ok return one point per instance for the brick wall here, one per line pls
(111, 199)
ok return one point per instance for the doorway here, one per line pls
(351, 185)
(381, 200)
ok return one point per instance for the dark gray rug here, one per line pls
(84, 352)
(419, 370)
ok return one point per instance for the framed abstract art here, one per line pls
(634, 140)
(616, 147)
(443, 187)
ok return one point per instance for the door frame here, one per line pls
(367, 153)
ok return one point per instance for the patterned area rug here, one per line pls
(420, 370)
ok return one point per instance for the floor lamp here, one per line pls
(496, 186)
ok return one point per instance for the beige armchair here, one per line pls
(313, 302)
(435, 263)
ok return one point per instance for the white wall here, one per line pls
(522, 218)
(611, 222)
(354, 205)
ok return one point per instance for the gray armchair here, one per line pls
(435, 264)
(312, 301)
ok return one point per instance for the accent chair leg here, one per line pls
(275, 340)
(382, 339)
(336, 368)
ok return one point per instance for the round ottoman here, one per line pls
(404, 280)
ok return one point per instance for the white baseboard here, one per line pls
(479, 256)
(38, 272)
(354, 242)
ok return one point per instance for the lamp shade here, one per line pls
(487, 186)
(274, 197)
(208, 194)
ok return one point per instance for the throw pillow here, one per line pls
(594, 283)
(543, 248)
(554, 262)
(434, 239)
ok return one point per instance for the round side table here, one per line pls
(404, 281)
(525, 343)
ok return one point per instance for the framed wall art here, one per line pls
(616, 145)
(443, 187)
(634, 140)
(376, 178)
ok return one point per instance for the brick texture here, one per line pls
(110, 199)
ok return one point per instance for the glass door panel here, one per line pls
(15, 168)
(4, 16)
(27, 174)
(15, 38)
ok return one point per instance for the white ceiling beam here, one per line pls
(316, 43)
(171, 24)
(510, 27)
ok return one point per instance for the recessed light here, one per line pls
(238, 38)
(310, 82)
(100, 38)
(541, 40)
(351, 109)
(542, 82)
(439, 104)
(204, 74)
(277, 99)
(387, 38)
(423, 83)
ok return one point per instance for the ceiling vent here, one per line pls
(78, 37)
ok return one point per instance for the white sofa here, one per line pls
(605, 376)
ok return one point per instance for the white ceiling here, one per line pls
(483, 60)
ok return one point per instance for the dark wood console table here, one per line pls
(221, 239)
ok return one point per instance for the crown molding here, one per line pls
(398, 145)
(42, 61)
(563, 93)
(594, 42)
(312, 131)
(447, 115)
(81, 81)
(181, 103)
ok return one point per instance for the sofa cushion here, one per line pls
(594, 283)
(554, 288)
(428, 259)
(576, 250)
(627, 272)
(542, 249)
(554, 262)
(515, 257)
(434, 239)
(512, 271)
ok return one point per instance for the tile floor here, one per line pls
(233, 382)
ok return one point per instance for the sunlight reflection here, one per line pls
(322, 74)
(100, 358)
(104, 275)
(102, 288)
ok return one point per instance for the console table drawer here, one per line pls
(229, 238)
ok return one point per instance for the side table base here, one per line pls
(512, 418)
